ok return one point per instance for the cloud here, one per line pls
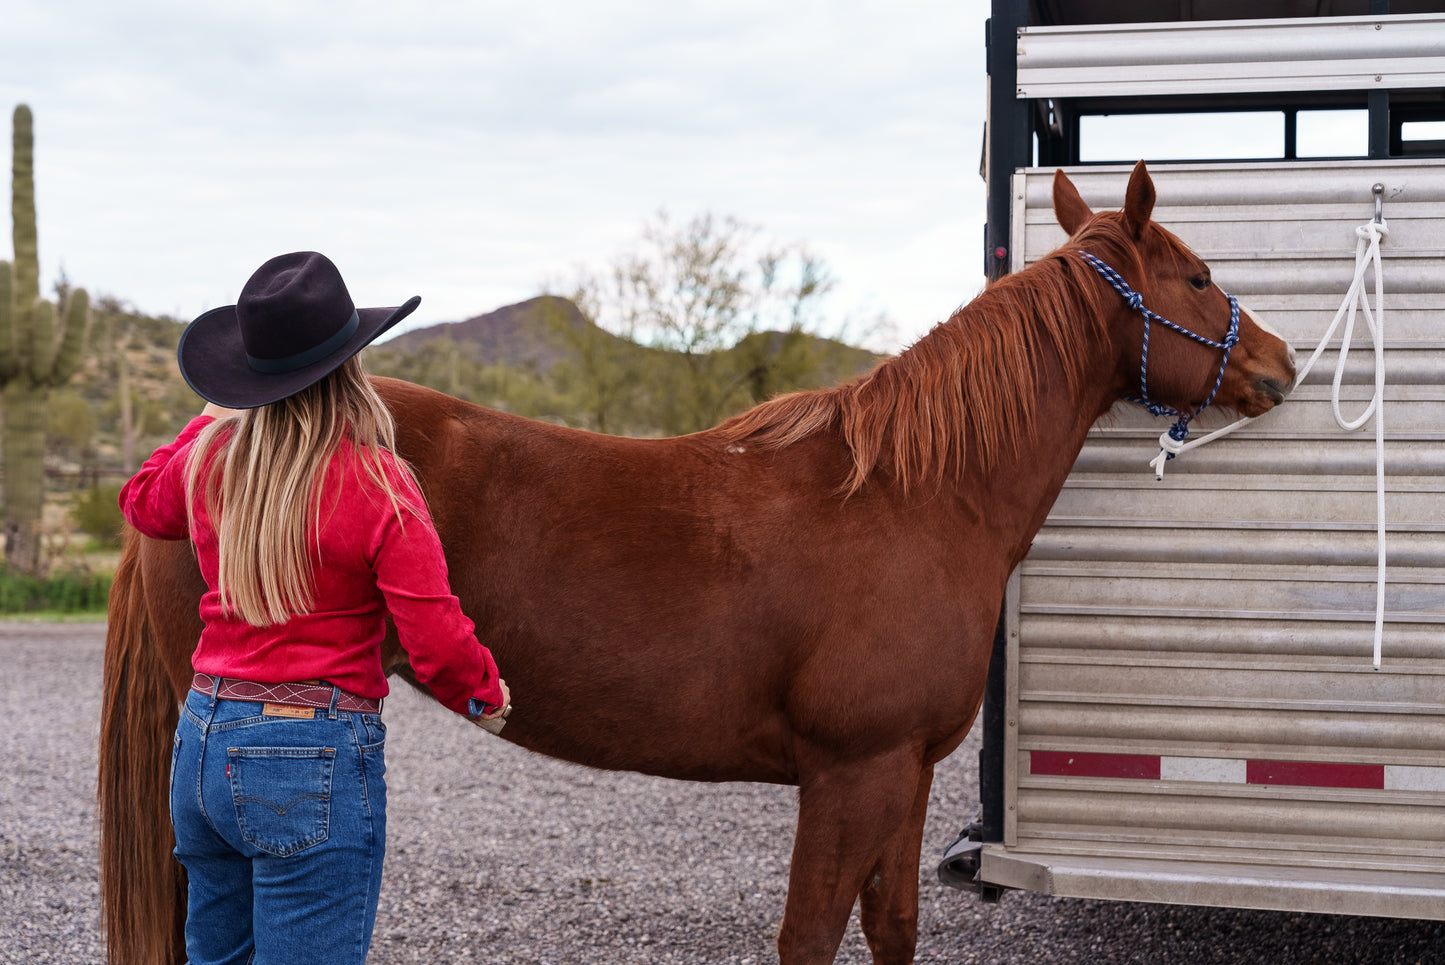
(466, 151)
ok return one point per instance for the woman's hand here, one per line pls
(219, 412)
(506, 707)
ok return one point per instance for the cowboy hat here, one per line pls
(293, 325)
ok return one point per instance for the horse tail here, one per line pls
(142, 886)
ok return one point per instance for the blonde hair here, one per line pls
(262, 479)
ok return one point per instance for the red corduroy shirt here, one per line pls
(369, 563)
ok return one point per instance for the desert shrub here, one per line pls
(70, 591)
(97, 513)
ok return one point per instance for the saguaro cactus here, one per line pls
(33, 360)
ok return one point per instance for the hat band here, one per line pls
(316, 353)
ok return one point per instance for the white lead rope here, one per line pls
(1367, 254)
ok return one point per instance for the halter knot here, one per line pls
(1136, 301)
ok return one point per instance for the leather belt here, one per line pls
(288, 694)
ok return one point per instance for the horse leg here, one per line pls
(889, 900)
(848, 811)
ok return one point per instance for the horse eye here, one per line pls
(1200, 283)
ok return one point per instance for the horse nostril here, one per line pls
(1273, 388)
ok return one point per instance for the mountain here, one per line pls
(531, 334)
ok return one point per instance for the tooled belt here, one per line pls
(290, 695)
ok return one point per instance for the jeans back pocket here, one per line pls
(282, 796)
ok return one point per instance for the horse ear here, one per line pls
(1138, 200)
(1069, 208)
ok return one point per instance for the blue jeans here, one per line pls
(281, 826)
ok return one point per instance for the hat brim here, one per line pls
(213, 362)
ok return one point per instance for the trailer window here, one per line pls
(1181, 137)
(1333, 134)
(1423, 138)
(1423, 130)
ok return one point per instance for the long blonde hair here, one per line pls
(264, 484)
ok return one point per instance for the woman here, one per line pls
(308, 530)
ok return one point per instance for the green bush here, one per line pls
(73, 591)
(97, 513)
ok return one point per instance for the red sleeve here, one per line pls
(411, 573)
(154, 499)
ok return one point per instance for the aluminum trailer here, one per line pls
(1183, 705)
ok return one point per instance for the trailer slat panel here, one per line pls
(1210, 635)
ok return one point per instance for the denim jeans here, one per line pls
(281, 826)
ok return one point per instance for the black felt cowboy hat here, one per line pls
(293, 325)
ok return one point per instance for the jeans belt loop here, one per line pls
(335, 696)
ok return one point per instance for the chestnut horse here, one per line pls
(805, 594)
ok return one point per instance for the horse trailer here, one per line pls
(1188, 700)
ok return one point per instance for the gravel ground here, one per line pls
(497, 855)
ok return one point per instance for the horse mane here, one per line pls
(972, 378)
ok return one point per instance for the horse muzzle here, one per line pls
(1273, 389)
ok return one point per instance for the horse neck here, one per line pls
(993, 405)
(1013, 489)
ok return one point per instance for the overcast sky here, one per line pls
(469, 151)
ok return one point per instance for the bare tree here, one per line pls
(736, 317)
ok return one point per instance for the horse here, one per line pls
(804, 594)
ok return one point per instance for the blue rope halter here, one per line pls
(1180, 429)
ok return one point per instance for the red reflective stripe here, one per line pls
(1143, 766)
(1147, 767)
(1316, 774)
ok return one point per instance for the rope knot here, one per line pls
(1373, 231)
(1135, 300)
(1171, 443)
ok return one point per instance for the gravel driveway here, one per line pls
(500, 856)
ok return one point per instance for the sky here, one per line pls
(471, 152)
